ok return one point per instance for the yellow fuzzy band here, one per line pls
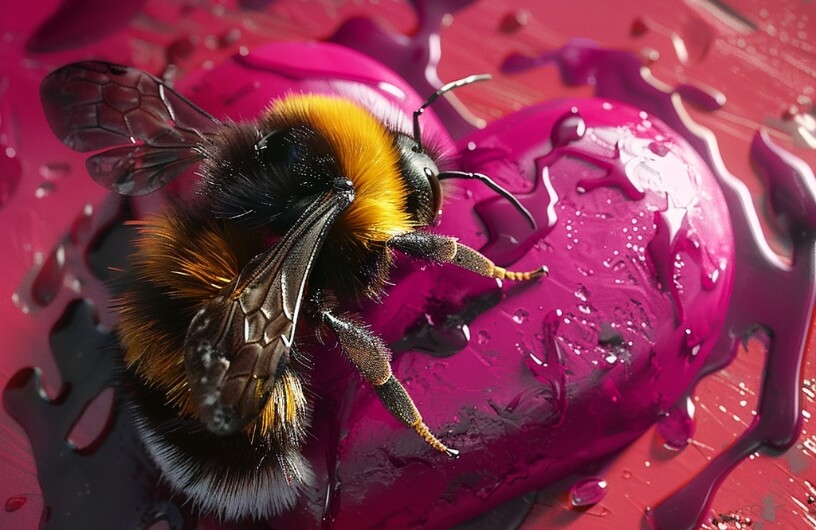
(367, 156)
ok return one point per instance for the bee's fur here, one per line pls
(301, 208)
(185, 256)
(231, 477)
(182, 258)
(271, 187)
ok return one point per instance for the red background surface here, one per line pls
(758, 54)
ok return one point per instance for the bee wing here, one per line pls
(239, 342)
(151, 128)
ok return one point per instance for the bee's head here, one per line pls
(422, 175)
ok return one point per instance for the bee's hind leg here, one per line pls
(372, 358)
(444, 249)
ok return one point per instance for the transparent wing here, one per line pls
(239, 342)
(151, 128)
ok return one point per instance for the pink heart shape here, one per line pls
(530, 381)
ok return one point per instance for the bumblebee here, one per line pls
(299, 215)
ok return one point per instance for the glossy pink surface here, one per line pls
(558, 373)
(611, 341)
(46, 195)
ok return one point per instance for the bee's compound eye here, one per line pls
(419, 171)
(436, 192)
(435, 189)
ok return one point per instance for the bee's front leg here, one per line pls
(444, 249)
(372, 358)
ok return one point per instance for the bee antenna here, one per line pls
(493, 185)
(445, 88)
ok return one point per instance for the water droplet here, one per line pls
(11, 172)
(691, 343)
(582, 294)
(638, 28)
(81, 227)
(514, 21)
(53, 171)
(587, 492)
(44, 190)
(439, 340)
(520, 316)
(709, 100)
(483, 337)
(569, 128)
(15, 503)
(48, 281)
(210, 42)
(676, 428)
(649, 56)
(229, 37)
(181, 49)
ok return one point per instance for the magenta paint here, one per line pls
(768, 292)
(587, 492)
(354, 431)
(413, 57)
(676, 427)
(13, 504)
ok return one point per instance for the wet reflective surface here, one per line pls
(515, 356)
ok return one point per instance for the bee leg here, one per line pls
(444, 249)
(371, 357)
